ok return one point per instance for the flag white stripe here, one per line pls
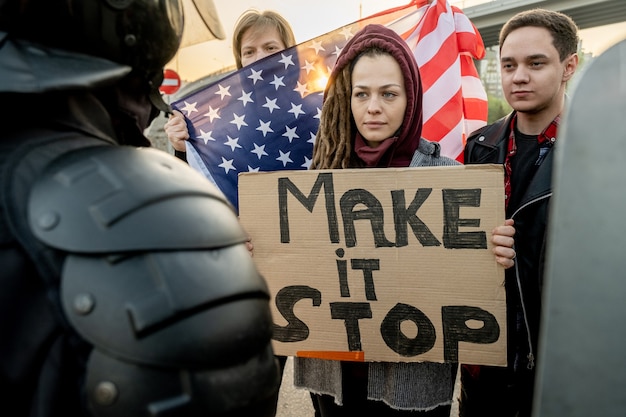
(451, 143)
(473, 87)
(463, 24)
(429, 45)
(442, 91)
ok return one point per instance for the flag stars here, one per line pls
(278, 82)
(227, 164)
(311, 138)
(250, 169)
(291, 133)
(337, 51)
(189, 108)
(246, 98)
(271, 104)
(284, 158)
(347, 32)
(233, 143)
(239, 120)
(213, 114)
(307, 163)
(259, 151)
(308, 66)
(223, 91)
(255, 76)
(296, 110)
(286, 60)
(206, 136)
(264, 127)
(317, 45)
(301, 88)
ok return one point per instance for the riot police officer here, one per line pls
(108, 307)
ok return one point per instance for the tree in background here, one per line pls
(498, 107)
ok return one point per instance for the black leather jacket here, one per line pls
(524, 282)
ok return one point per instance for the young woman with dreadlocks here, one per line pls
(372, 117)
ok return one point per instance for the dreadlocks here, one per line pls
(333, 145)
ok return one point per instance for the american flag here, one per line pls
(264, 116)
(445, 44)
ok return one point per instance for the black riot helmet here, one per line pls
(141, 34)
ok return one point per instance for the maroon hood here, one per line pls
(401, 152)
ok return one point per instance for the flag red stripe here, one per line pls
(446, 118)
(432, 70)
(475, 109)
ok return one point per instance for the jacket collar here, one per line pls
(495, 133)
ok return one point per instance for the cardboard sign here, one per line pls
(381, 264)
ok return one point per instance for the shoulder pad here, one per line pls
(117, 198)
(188, 309)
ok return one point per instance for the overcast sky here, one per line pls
(308, 20)
(315, 17)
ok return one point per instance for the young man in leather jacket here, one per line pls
(538, 56)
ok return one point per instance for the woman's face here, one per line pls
(257, 43)
(378, 98)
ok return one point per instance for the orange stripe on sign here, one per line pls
(332, 355)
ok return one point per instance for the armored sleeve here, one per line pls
(158, 279)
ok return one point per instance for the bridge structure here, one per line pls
(489, 16)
